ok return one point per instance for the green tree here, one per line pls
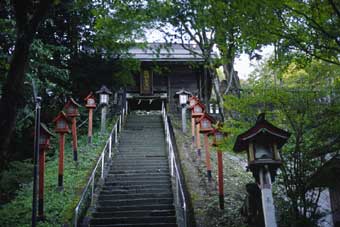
(306, 104)
(27, 15)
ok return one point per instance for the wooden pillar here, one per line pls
(207, 156)
(198, 141)
(61, 159)
(220, 179)
(74, 139)
(89, 133)
(41, 183)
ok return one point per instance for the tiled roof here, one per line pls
(167, 52)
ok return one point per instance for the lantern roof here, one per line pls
(218, 128)
(207, 116)
(198, 103)
(71, 101)
(104, 90)
(194, 97)
(43, 128)
(262, 130)
(182, 92)
(60, 116)
(327, 175)
(89, 96)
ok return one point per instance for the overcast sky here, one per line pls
(242, 64)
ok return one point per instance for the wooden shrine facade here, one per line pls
(165, 70)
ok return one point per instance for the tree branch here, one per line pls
(336, 10)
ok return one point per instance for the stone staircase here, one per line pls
(137, 189)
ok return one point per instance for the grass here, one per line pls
(59, 205)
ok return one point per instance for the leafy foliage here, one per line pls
(304, 104)
(59, 205)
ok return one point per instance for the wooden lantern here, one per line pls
(61, 128)
(45, 135)
(262, 143)
(90, 101)
(71, 108)
(90, 104)
(205, 122)
(204, 125)
(219, 137)
(193, 100)
(61, 123)
(197, 110)
(44, 143)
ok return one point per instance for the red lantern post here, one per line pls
(61, 128)
(90, 104)
(72, 112)
(196, 112)
(218, 139)
(44, 142)
(205, 127)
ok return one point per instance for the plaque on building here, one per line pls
(146, 82)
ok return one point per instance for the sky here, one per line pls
(242, 64)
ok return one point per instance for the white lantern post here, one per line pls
(262, 143)
(183, 99)
(104, 93)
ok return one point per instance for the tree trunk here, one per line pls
(219, 96)
(13, 94)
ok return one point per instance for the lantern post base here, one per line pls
(199, 153)
(41, 216)
(60, 181)
(221, 201)
(209, 175)
(75, 155)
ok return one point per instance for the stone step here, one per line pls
(142, 201)
(137, 225)
(113, 177)
(143, 145)
(120, 191)
(164, 186)
(154, 167)
(139, 171)
(137, 182)
(133, 220)
(134, 196)
(134, 213)
(135, 207)
(127, 157)
(144, 152)
(137, 191)
(147, 156)
(141, 164)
